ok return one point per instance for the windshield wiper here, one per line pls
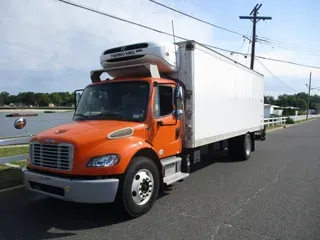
(113, 115)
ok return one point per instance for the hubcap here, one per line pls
(142, 187)
(248, 145)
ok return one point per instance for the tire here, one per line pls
(240, 147)
(141, 178)
(247, 147)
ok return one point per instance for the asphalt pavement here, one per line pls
(273, 195)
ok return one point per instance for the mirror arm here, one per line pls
(28, 132)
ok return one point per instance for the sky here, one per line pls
(49, 46)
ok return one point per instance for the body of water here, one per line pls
(34, 124)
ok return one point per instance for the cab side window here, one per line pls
(163, 101)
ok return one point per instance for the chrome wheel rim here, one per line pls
(142, 187)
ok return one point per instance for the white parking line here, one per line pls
(11, 188)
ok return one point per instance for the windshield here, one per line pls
(125, 101)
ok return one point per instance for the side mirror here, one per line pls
(77, 97)
(178, 101)
(20, 123)
(179, 93)
(178, 114)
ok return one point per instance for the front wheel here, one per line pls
(140, 186)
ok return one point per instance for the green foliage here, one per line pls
(288, 112)
(299, 100)
(37, 99)
(289, 121)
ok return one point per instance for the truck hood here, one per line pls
(84, 132)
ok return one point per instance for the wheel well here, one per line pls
(234, 140)
(253, 143)
(149, 153)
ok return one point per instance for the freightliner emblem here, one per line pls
(49, 141)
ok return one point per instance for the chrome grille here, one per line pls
(55, 156)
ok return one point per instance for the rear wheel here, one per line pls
(247, 147)
(140, 186)
(240, 147)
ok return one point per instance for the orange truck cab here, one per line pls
(130, 135)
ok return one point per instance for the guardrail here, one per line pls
(281, 120)
(275, 121)
(25, 140)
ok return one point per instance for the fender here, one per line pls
(138, 147)
(126, 148)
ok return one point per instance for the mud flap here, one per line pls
(260, 135)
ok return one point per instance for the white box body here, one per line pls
(227, 97)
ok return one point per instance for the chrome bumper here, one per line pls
(82, 191)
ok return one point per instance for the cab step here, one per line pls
(170, 160)
(175, 178)
(172, 170)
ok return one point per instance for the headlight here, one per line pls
(104, 161)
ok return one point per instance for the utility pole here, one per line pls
(255, 19)
(309, 97)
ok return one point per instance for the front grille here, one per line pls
(126, 48)
(125, 58)
(55, 156)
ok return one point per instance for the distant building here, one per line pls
(271, 110)
(51, 105)
(274, 110)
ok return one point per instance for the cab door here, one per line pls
(165, 133)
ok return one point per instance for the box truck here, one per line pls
(140, 129)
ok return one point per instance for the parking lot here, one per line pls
(273, 195)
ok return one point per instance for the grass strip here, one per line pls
(13, 150)
(12, 176)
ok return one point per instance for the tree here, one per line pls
(4, 98)
(302, 104)
(269, 100)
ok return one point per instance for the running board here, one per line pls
(172, 170)
(170, 160)
(175, 178)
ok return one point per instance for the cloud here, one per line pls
(53, 46)
(49, 37)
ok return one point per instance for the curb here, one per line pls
(15, 145)
(15, 187)
(12, 165)
(290, 125)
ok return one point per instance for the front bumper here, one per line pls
(82, 191)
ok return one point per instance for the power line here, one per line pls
(225, 29)
(195, 18)
(169, 34)
(288, 47)
(289, 62)
(287, 44)
(276, 76)
(115, 17)
(233, 52)
(244, 39)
